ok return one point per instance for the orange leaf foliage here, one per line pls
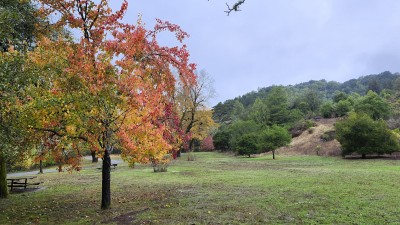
(114, 87)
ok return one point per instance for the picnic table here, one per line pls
(20, 182)
(113, 165)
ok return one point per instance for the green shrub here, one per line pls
(221, 140)
(248, 144)
(310, 123)
(318, 149)
(327, 110)
(359, 133)
(191, 157)
(328, 135)
(299, 127)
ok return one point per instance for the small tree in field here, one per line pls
(195, 119)
(273, 138)
(359, 133)
(248, 144)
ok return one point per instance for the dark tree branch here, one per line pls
(235, 7)
(56, 133)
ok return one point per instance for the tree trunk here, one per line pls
(3, 177)
(191, 145)
(105, 182)
(273, 154)
(60, 167)
(174, 154)
(94, 157)
(178, 154)
(363, 156)
(41, 166)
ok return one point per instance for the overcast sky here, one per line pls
(274, 42)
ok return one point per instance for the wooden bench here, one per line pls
(21, 182)
(112, 166)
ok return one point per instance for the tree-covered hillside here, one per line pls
(322, 89)
(267, 119)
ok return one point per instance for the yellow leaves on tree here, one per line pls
(195, 119)
(112, 89)
(205, 124)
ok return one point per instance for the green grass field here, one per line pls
(219, 189)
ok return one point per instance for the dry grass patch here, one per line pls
(309, 143)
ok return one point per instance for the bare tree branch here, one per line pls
(235, 7)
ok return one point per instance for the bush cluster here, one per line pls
(328, 135)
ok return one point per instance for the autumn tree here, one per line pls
(13, 82)
(204, 127)
(20, 27)
(112, 88)
(195, 119)
(207, 144)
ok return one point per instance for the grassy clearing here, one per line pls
(220, 189)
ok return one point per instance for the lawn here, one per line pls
(219, 189)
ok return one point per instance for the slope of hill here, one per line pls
(307, 143)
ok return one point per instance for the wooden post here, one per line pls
(41, 166)
(94, 156)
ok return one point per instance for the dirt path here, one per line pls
(54, 168)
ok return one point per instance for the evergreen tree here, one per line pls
(359, 133)
(374, 106)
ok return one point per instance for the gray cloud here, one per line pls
(282, 42)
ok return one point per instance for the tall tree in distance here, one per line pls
(259, 112)
(277, 104)
(191, 105)
(373, 105)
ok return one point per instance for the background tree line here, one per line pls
(291, 109)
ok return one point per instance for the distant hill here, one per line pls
(325, 89)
